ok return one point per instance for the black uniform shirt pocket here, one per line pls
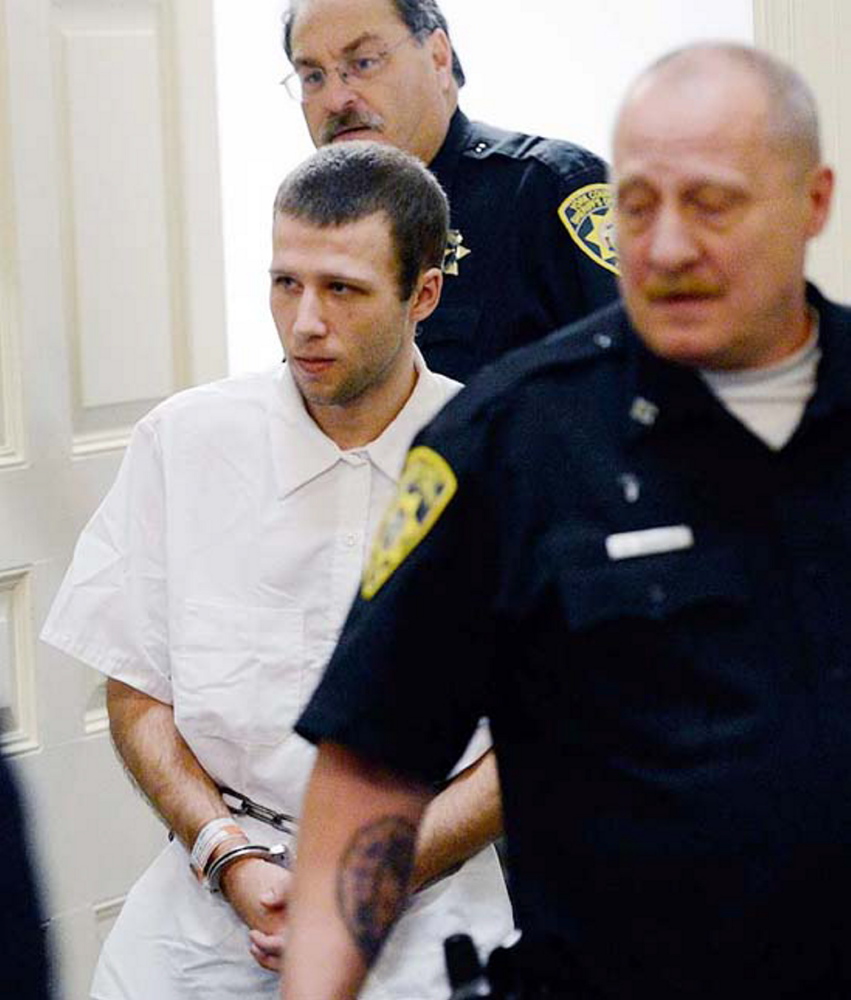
(660, 654)
(657, 587)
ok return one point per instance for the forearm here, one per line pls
(186, 797)
(355, 858)
(163, 766)
(464, 818)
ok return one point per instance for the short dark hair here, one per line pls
(421, 17)
(346, 182)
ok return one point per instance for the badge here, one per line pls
(588, 217)
(426, 487)
(455, 251)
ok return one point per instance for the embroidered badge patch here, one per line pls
(426, 487)
(454, 252)
(588, 217)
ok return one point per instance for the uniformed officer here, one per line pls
(646, 591)
(530, 246)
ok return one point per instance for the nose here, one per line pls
(309, 318)
(337, 93)
(672, 245)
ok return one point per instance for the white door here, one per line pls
(110, 299)
(815, 37)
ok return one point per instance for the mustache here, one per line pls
(349, 119)
(669, 288)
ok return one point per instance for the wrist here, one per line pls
(278, 855)
(213, 839)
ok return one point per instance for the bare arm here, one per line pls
(464, 818)
(355, 859)
(186, 797)
(161, 763)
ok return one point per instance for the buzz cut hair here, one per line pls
(346, 182)
(793, 119)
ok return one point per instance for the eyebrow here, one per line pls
(361, 280)
(367, 36)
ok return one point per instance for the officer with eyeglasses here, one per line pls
(530, 245)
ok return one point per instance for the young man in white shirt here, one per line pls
(213, 581)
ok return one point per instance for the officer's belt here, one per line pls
(541, 969)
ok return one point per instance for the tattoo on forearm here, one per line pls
(372, 880)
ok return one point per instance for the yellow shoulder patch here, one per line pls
(588, 216)
(426, 487)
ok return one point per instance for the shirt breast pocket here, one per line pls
(666, 641)
(238, 672)
(656, 588)
(672, 621)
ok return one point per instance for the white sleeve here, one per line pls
(111, 610)
(480, 743)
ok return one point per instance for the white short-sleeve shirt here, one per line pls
(216, 577)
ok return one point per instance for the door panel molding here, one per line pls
(814, 36)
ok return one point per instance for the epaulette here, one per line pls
(558, 154)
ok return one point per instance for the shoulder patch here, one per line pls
(426, 487)
(587, 216)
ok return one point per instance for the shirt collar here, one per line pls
(833, 386)
(301, 451)
(660, 393)
(456, 141)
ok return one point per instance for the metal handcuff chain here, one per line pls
(278, 854)
(246, 807)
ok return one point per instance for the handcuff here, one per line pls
(219, 831)
(277, 854)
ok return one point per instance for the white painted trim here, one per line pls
(24, 737)
(12, 451)
(814, 36)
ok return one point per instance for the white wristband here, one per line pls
(210, 836)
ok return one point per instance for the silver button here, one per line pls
(643, 411)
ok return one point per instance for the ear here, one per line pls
(819, 193)
(441, 55)
(427, 294)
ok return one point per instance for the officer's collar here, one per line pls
(833, 388)
(456, 140)
(660, 393)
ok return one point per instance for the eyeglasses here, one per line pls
(365, 64)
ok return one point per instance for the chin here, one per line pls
(681, 347)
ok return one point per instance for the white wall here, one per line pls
(552, 67)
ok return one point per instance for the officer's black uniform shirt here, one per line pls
(530, 248)
(673, 728)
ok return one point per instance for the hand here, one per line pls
(267, 950)
(259, 894)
